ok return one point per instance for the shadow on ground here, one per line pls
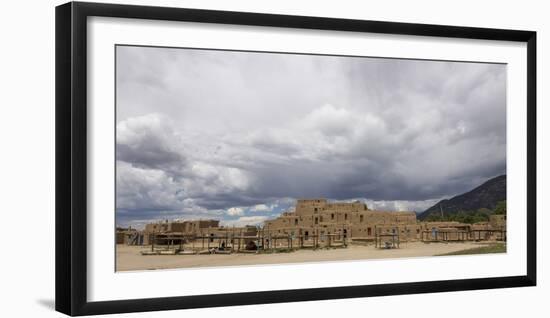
(48, 303)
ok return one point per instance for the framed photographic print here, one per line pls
(214, 158)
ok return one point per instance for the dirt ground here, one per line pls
(129, 258)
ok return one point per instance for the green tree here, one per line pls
(501, 208)
(481, 215)
(484, 211)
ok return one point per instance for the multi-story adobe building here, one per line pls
(354, 220)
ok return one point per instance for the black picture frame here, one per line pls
(71, 157)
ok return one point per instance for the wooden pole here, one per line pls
(318, 239)
(240, 236)
(288, 241)
(398, 239)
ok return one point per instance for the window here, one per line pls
(315, 209)
(332, 216)
(345, 216)
(316, 220)
(296, 222)
(361, 218)
(369, 231)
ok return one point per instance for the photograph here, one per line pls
(240, 158)
(275, 159)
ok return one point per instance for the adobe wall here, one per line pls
(318, 206)
(187, 227)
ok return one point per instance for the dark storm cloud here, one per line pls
(149, 142)
(149, 155)
(215, 133)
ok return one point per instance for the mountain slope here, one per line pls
(486, 195)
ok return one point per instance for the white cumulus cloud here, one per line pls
(235, 211)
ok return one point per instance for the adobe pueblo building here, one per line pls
(313, 223)
(354, 222)
(199, 234)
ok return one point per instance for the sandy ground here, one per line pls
(129, 257)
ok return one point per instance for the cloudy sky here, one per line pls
(238, 136)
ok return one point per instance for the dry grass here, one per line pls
(488, 249)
